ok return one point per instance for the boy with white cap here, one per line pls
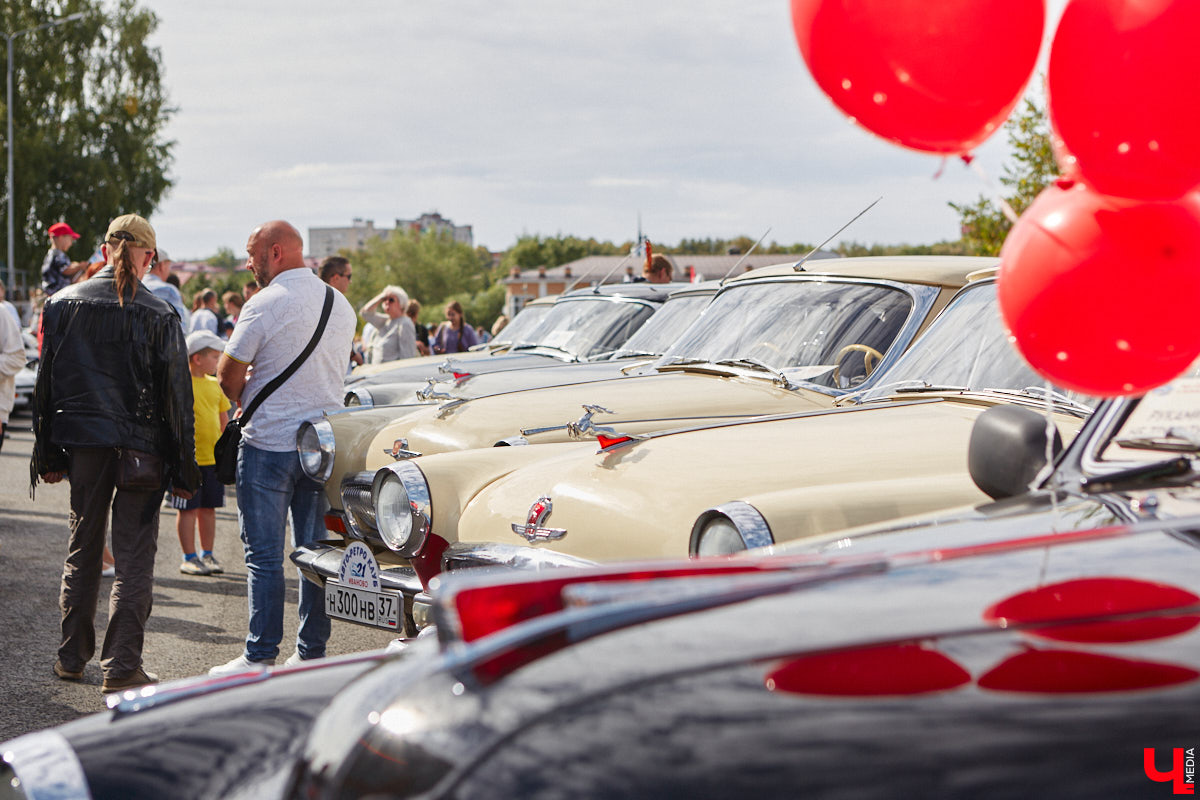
(211, 408)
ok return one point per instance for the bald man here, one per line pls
(275, 326)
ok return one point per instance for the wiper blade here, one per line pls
(1140, 475)
(634, 354)
(778, 376)
(542, 347)
(1057, 397)
(1172, 441)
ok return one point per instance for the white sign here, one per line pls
(359, 568)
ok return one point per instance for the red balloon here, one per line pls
(1100, 293)
(938, 76)
(1124, 97)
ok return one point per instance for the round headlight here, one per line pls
(719, 537)
(728, 529)
(315, 444)
(358, 397)
(401, 499)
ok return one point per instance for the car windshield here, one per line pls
(662, 329)
(589, 326)
(525, 322)
(1165, 422)
(966, 347)
(826, 332)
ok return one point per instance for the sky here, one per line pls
(541, 117)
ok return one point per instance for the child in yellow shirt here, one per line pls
(211, 412)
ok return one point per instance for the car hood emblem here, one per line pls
(533, 529)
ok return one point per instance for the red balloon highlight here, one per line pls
(1123, 94)
(1099, 292)
(900, 669)
(940, 77)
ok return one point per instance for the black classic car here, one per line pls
(1025, 652)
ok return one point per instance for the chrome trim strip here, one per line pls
(750, 525)
(420, 504)
(460, 556)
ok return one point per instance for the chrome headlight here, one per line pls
(358, 397)
(729, 528)
(315, 444)
(403, 512)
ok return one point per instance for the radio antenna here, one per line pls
(799, 265)
(747, 255)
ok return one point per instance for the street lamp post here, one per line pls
(8, 108)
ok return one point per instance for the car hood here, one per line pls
(639, 405)
(422, 367)
(839, 468)
(1028, 668)
(473, 382)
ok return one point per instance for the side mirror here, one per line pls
(1008, 450)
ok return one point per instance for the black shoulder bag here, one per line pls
(226, 448)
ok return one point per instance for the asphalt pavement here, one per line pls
(197, 621)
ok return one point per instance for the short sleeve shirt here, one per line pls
(273, 329)
(208, 401)
(52, 271)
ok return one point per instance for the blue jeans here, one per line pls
(269, 485)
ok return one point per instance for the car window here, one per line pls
(587, 327)
(966, 347)
(1165, 423)
(665, 327)
(790, 325)
(525, 322)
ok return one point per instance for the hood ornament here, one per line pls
(584, 425)
(399, 450)
(532, 529)
(428, 392)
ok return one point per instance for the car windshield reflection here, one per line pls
(667, 324)
(587, 327)
(523, 324)
(828, 333)
(967, 347)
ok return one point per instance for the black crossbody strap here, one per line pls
(244, 419)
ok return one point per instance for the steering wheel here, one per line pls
(871, 359)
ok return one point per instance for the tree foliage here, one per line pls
(89, 109)
(430, 266)
(1032, 168)
(551, 251)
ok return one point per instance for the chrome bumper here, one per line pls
(319, 562)
(461, 555)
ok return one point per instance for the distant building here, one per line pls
(325, 242)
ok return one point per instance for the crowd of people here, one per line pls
(134, 390)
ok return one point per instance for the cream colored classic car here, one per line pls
(774, 340)
(538, 366)
(894, 450)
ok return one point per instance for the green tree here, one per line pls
(225, 258)
(89, 109)
(551, 251)
(429, 266)
(1032, 168)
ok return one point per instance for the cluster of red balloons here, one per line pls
(1099, 274)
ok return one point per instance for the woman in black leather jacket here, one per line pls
(113, 413)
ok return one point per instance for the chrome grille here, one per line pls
(356, 500)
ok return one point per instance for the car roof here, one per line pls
(952, 271)
(642, 290)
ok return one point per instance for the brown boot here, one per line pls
(138, 677)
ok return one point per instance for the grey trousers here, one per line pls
(134, 544)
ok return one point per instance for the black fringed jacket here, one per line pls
(113, 376)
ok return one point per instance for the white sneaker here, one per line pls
(294, 660)
(240, 664)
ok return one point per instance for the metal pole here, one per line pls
(9, 175)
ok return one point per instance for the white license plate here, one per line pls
(377, 609)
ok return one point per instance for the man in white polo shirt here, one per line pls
(273, 329)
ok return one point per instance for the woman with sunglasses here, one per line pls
(397, 337)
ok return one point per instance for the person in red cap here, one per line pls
(57, 269)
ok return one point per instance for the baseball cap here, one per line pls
(162, 255)
(62, 229)
(199, 340)
(133, 229)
